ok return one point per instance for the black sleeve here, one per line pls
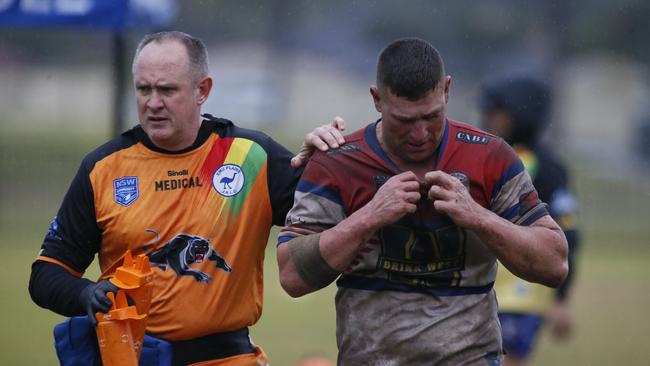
(74, 237)
(53, 287)
(282, 180)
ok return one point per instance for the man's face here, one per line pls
(497, 122)
(412, 130)
(168, 95)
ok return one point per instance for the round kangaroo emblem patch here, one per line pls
(228, 180)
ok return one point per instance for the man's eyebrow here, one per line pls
(164, 84)
(158, 85)
(437, 109)
(408, 118)
(433, 113)
(402, 118)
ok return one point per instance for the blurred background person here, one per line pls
(517, 108)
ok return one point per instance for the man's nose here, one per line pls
(154, 101)
(420, 131)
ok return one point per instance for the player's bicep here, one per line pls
(546, 222)
(318, 204)
(514, 197)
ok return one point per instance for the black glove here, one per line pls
(93, 298)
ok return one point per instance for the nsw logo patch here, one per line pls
(125, 190)
(228, 180)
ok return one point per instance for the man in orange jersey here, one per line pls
(195, 193)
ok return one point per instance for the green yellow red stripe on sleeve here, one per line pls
(250, 157)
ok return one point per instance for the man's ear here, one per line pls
(376, 97)
(204, 87)
(447, 87)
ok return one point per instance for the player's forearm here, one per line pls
(290, 279)
(536, 253)
(336, 248)
(341, 244)
(53, 287)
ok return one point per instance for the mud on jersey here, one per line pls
(446, 270)
(202, 215)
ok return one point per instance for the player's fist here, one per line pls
(395, 198)
(452, 198)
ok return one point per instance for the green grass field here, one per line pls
(610, 301)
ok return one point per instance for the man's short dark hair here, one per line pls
(409, 68)
(196, 50)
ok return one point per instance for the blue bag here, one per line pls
(75, 341)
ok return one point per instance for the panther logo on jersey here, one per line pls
(183, 251)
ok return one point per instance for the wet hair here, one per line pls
(409, 68)
(196, 51)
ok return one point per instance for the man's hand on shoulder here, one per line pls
(323, 138)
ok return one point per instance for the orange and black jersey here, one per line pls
(202, 215)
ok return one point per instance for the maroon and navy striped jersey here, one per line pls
(424, 251)
(420, 290)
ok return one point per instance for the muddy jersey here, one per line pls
(202, 215)
(420, 290)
